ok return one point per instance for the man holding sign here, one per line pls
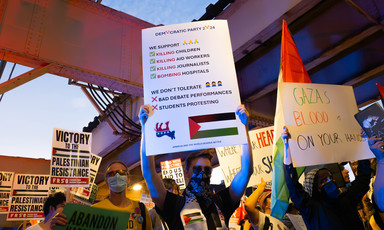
(198, 208)
(319, 201)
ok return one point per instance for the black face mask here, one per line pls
(199, 187)
(330, 191)
(199, 184)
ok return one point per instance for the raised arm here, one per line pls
(240, 181)
(154, 182)
(376, 145)
(296, 190)
(250, 203)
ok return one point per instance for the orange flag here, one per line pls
(291, 70)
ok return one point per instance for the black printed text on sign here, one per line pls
(70, 163)
(6, 179)
(28, 196)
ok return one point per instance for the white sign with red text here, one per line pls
(6, 180)
(28, 196)
(173, 169)
(71, 152)
(261, 142)
(85, 192)
(320, 120)
(191, 85)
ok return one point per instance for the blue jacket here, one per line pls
(326, 214)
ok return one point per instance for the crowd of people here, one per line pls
(319, 201)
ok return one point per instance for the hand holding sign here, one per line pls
(243, 114)
(376, 144)
(286, 136)
(59, 219)
(145, 110)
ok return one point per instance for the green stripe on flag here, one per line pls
(280, 190)
(195, 220)
(216, 133)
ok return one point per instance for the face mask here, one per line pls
(199, 184)
(117, 183)
(330, 190)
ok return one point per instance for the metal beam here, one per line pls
(24, 78)
(99, 110)
(371, 74)
(326, 56)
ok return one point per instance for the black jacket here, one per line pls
(326, 214)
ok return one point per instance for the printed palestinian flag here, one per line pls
(212, 125)
(192, 218)
(291, 70)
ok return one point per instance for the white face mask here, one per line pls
(117, 183)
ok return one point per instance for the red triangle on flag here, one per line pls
(14, 193)
(381, 90)
(186, 219)
(291, 63)
(53, 151)
(193, 127)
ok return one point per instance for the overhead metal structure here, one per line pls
(340, 42)
(80, 40)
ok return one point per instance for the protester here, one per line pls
(262, 219)
(319, 202)
(53, 205)
(117, 180)
(198, 208)
(157, 222)
(376, 145)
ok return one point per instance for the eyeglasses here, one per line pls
(122, 172)
(198, 169)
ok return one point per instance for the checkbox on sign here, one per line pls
(153, 76)
(152, 54)
(153, 68)
(152, 61)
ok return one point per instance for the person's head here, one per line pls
(199, 161)
(171, 186)
(319, 183)
(116, 176)
(264, 202)
(53, 202)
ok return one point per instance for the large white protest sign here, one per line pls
(173, 169)
(230, 162)
(84, 192)
(321, 123)
(70, 158)
(28, 196)
(6, 179)
(190, 82)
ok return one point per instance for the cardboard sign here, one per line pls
(84, 217)
(28, 196)
(190, 82)
(84, 192)
(321, 123)
(173, 169)
(262, 145)
(70, 158)
(6, 180)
